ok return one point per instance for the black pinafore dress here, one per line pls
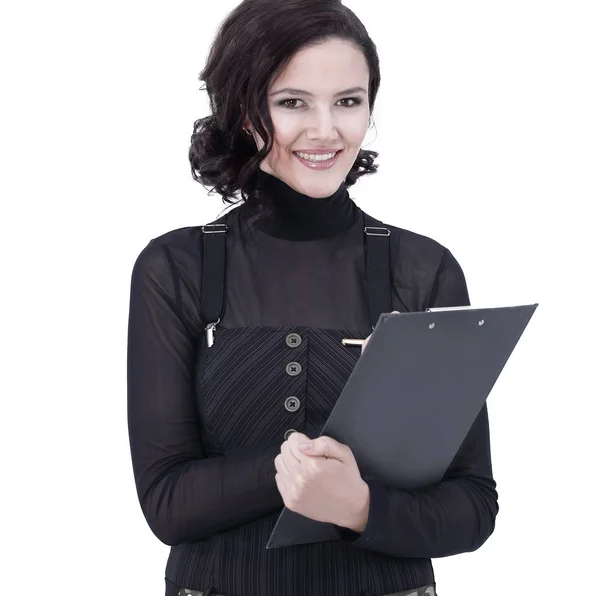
(231, 360)
(259, 384)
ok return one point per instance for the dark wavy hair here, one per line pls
(253, 46)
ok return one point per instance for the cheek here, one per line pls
(280, 155)
(284, 141)
(357, 133)
(285, 129)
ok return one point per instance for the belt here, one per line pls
(428, 590)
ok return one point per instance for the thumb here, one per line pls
(324, 447)
(364, 345)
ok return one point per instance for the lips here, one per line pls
(320, 153)
(318, 165)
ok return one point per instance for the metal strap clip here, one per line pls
(373, 228)
(210, 332)
(215, 226)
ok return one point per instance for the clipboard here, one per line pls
(412, 398)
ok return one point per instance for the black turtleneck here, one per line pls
(297, 216)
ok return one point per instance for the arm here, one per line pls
(456, 515)
(184, 495)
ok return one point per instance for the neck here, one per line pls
(296, 216)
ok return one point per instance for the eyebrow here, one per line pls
(301, 92)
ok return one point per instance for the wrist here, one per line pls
(359, 520)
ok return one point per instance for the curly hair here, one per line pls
(253, 46)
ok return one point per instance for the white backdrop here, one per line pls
(488, 129)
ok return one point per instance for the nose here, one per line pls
(323, 127)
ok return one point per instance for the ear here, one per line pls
(247, 123)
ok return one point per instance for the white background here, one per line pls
(488, 130)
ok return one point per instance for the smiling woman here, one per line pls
(309, 91)
(325, 132)
(235, 353)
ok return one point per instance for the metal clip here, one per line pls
(215, 226)
(372, 228)
(210, 332)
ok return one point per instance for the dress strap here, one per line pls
(214, 266)
(214, 263)
(377, 264)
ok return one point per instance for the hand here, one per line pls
(363, 346)
(323, 482)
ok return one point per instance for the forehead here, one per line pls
(326, 68)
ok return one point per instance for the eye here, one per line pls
(356, 101)
(285, 102)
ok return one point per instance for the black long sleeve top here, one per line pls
(194, 499)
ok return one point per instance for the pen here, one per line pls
(353, 342)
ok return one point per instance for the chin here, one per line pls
(320, 191)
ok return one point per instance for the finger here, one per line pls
(280, 465)
(292, 459)
(293, 441)
(281, 485)
(298, 436)
(364, 344)
(329, 448)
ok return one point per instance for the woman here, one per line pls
(235, 357)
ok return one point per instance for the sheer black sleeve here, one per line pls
(184, 495)
(456, 515)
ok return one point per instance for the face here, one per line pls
(326, 116)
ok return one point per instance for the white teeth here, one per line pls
(316, 157)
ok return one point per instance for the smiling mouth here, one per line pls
(301, 153)
(318, 164)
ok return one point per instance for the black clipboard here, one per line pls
(412, 398)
